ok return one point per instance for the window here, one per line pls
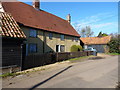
(33, 33)
(76, 39)
(50, 35)
(32, 48)
(60, 48)
(57, 48)
(62, 37)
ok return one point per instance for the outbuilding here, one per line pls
(99, 43)
(12, 39)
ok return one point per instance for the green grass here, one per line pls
(7, 74)
(79, 58)
(113, 53)
(15, 74)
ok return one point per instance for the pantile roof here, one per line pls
(96, 40)
(9, 27)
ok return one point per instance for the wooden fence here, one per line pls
(35, 60)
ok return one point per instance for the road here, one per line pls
(101, 73)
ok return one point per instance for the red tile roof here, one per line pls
(29, 16)
(96, 40)
(9, 27)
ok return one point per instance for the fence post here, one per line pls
(56, 57)
(87, 53)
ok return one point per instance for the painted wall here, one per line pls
(44, 44)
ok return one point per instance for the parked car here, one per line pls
(91, 49)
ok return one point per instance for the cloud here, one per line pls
(93, 19)
(97, 22)
(102, 25)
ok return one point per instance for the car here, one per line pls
(90, 49)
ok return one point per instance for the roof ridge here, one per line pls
(42, 10)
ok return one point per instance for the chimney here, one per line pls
(36, 4)
(69, 18)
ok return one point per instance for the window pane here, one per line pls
(33, 33)
(62, 37)
(57, 48)
(62, 48)
(76, 39)
(32, 48)
(50, 35)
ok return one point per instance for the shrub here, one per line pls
(76, 48)
(114, 45)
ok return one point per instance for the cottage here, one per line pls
(12, 39)
(99, 43)
(44, 31)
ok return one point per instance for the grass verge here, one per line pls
(21, 72)
(8, 74)
(40, 69)
(113, 53)
(79, 58)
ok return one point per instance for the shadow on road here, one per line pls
(35, 86)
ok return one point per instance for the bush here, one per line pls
(76, 48)
(114, 45)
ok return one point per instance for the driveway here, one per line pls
(100, 73)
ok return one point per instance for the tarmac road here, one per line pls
(101, 73)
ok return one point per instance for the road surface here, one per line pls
(101, 73)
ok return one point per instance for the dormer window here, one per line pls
(33, 33)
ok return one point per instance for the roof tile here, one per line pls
(29, 16)
(9, 27)
(96, 40)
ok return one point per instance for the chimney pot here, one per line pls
(69, 18)
(36, 4)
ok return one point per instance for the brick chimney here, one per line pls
(69, 18)
(36, 4)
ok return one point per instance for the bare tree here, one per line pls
(82, 32)
(86, 32)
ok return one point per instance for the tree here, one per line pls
(102, 34)
(82, 32)
(114, 44)
(89, 33)
(86, 32)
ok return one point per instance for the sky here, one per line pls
(100, 16)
